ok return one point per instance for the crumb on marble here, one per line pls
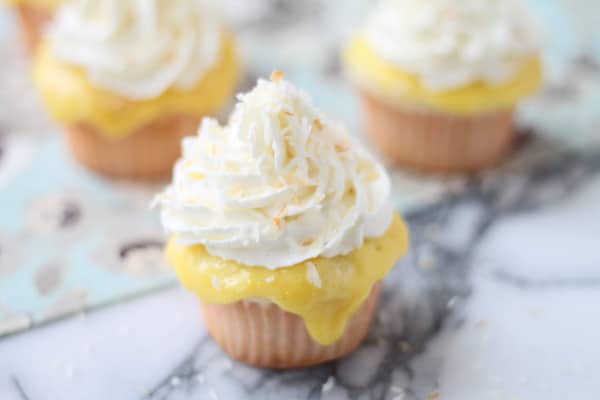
(86, 348)
(397, 389)
(404, 346)
(383, 316)
(69, 371)
(399, 392)
(227, 365)
(452, 302)
(123, 330)
(213, 394)
(433, 396)
(535, 312)
(427, 261)
(432, 231)
(328, 385)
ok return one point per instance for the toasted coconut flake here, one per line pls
(277, 76)
(281, 212)
(317, 124)
(312, 275)
(341, 147)
(308, 242)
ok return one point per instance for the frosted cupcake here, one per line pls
(33, 16)
(440, 79)
(128, 79)
(281, 224)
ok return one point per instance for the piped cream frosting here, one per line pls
(279, 184)
(450, 44)
(138, 49)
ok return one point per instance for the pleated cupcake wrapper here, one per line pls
(146, 154)
(32, 21)
(433, 141)
(264, 335)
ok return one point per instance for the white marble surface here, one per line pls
(500, 299)
(117, 353)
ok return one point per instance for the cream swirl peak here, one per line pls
(138, 49)
(449, 44)
(279, 184)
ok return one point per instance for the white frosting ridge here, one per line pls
(279, 184)
(451, 43)
(138, 48)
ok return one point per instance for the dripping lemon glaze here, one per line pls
(400, 87)
(72, 99)
(344, 281)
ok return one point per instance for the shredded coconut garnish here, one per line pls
(278, 193)
(276, 76)
(312, 274)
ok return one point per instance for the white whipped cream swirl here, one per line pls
(138, 48)
(451, 43)
(279, 184)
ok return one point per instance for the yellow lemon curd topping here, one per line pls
(326, 300)
(70, 97)
(399, 87)
(46, 4)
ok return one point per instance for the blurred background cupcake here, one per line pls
(33, 17)
(128, 79)
(439, 79)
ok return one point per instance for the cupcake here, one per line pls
(128, 79)
(33, 17)
(439, 79)
(281, 224)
